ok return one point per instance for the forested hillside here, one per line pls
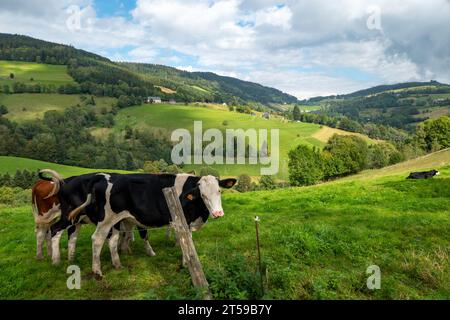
(101, 77)
(401, 106)
(209, 86)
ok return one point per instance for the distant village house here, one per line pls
(154, 100)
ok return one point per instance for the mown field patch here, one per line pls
(30, 73)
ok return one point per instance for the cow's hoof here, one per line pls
(56, 262)
(117, 266)
(98, 276)
(39, 257)
(151, 253)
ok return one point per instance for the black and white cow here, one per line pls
(72, 192)
(423, 174)
(139, 199)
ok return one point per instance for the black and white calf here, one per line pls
(139, 199)
(72, 192)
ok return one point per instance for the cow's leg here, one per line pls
(56, 254)
(168, 232)
(48, 239)
(98, 239)
(148, 248)
(56, 232)
(127, 236)
(40, 236)
(113, 248)
(73, 236)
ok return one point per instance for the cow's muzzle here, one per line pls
(217, 214)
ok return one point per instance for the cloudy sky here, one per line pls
(305, 48)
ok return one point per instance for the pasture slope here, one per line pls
(33, 106)
(11, 164)
(32, 73)
(165, 118)
(317, 243)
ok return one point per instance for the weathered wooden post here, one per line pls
(184, 236)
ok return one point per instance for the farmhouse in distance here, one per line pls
(154, 100)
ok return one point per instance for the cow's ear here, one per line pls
(227, 183)
(192, 194)
(189, 196)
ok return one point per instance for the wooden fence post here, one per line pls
(184, 236)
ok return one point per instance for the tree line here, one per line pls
(345, 155)
(23, 179)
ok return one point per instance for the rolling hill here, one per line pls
(335, 231)
(438, 88)
(400, 105)
(140, 79)
(166, 118)
(209, 86)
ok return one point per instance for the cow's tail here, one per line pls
(75, 212)
(55, 178)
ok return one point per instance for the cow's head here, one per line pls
(207, 191)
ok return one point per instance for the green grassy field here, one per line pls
(31, 106)
(316, 243)
(170, 117)
(167, 118)
(41, 73)
(11, 164)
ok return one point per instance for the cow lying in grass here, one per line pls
(139, 200)
(423, 175)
